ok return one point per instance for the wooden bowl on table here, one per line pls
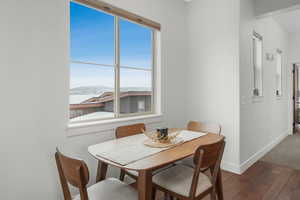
(156, 141)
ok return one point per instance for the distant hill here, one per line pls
(98, 90)
(89, 90)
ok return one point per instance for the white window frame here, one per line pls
(156, 79)
(279, 91)
(259, 89)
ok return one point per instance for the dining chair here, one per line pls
(186, 183)
(125, 131)
(129, 130)
(207, 127)
(76, 173)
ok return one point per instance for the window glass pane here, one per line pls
(92, 65)
(278, 73)
(92, 35)
(135, 45)
(257, 65)
(91, 92)
(136, 91)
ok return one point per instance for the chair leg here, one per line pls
(153, 194)
(165, 196)
(213, 195)
(122, 175)
(169, 197)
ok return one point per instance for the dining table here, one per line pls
(152, 162)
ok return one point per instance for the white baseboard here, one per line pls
(240, 169)
(254, 158)
(231, 167)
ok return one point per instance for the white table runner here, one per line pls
(130, 149)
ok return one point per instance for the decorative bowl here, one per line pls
(156, 137)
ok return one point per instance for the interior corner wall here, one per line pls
(34, 76)
(294, 48)
(263, 7)
(212, 90)
(265, 120)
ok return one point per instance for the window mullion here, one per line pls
(153, 96)
(117, 67)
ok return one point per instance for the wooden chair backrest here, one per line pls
(204, 127)
(207, 156)
(210, 155)
(74, 172)
(124, 131)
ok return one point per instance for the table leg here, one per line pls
(219, 185)
(145, 185)
(101, 171)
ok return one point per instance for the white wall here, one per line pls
(264, 121)
(212, 75)
(206, 70)
(266, 6)
(34, 89)
(294, 48)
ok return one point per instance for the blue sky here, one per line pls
(92, 40)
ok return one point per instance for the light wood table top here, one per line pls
(162, 158)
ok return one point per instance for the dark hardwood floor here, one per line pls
(262, 181)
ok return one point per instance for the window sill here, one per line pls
(86, 128)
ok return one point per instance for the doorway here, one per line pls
(286, 153)
(296, 98)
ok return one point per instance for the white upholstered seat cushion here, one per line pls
(111, 189)
(178, 179)
(187, 161)
(135, 173)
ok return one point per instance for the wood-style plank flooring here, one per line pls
(262, 181)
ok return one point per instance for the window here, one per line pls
(111, 65)
(257, 43)
(278, 72)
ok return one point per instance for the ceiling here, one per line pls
(289, 20)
